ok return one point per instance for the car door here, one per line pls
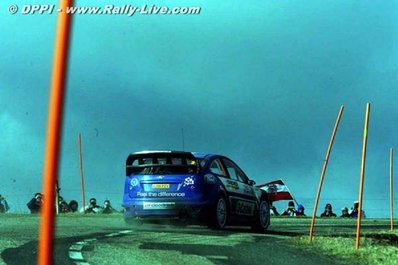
(241, 195)
(217, 168)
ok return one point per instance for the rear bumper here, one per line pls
(163, 208)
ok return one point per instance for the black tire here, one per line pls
(262, 220)
(220, 214)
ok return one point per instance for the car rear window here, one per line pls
(161, 164)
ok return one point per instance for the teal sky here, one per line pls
(258, 81)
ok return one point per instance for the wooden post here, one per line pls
(183, 139)
(325, 164)
(391, 189)
(56, 198)
(362, 175)
(53, 136)
(79, 142)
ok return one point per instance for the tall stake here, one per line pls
(183, 139)
(57, 197)
(325, 164)
(53, 136)
(391, 189)
(362, 175)
(79, 142)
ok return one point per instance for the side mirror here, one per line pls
(251, 182)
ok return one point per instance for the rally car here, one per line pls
(207, 186)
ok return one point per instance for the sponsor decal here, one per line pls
(188, 181)
(160, 194)
(244, 208)
(247, 189)
(134, 182)
(232, 185)
(171, 194)
(158, 205)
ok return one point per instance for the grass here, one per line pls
(376, 247)
(336, 236)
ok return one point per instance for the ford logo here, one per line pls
(134, 182)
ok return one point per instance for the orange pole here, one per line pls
(54, 123)
(79, 141)
(362, 174)
(391, 189)
(325, 164)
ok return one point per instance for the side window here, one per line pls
(234, 172)
(217, 168)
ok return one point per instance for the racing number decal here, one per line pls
(247, 190)
(232, 185)
(244, 207)
(238, 187)
(237, 191)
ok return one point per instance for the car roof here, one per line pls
(160, 151)
(197, 155)
(202, 155)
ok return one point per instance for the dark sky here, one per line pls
(258, 81)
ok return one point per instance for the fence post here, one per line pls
(362, 174)
(325, 164)
(79, 143)
(54, 134)
(391, 188)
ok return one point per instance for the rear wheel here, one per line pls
(220, 213)
(263, 218)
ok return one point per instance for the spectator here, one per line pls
(273, 210)
(92, 207)
(344, 213)
(35, 203)
(300, 210)
(354, 211)
(328, 211)
(3, 205)
(73, 206)
(107, 207)
(63, 206)
(290, 211)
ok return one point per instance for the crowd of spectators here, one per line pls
(327, 213)
(345, 213)
(34, 205)
(290, 210)
(64, 207)
(93, 207)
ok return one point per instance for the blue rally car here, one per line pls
(210, 187)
